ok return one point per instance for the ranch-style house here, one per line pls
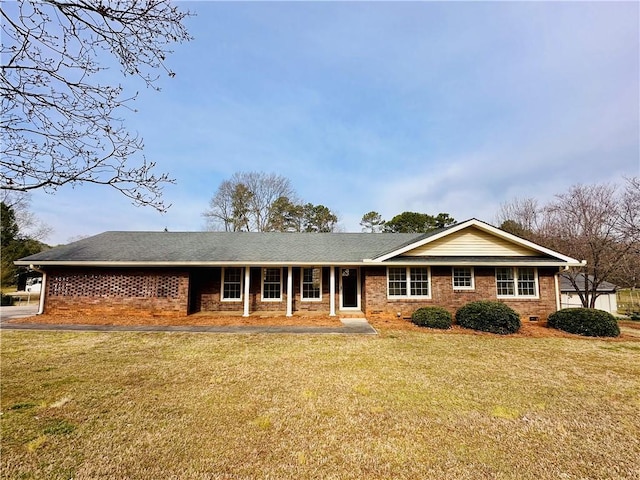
(252, 274)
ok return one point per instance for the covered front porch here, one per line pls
(255, 290)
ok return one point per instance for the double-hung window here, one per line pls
(311, 284)
(462, 278)
(408, 282)
(271, 284)
(231, 284)
(517, 282)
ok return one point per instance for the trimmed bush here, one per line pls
(635, 316)
(432, 317)
(585, 321)
(488, 316)
(6, 300)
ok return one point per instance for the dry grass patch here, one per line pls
(308, 320)
(403, 404)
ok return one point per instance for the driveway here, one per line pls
(20, 311)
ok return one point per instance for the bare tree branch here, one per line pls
(59, 123)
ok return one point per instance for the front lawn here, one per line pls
(404, 404)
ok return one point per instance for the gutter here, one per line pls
(43, 288)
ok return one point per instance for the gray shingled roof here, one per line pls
(219, 247)
(565, 284)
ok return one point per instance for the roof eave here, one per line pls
(517, 262)
(121, 264)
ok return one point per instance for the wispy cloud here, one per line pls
(424, 106)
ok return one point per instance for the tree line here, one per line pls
(405, 222)
(265, 202)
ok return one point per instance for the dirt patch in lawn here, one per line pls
(194, 320)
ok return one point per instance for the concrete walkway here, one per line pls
(19, 311)
(349, 326)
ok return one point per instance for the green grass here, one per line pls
(403, 404)
(628, 301)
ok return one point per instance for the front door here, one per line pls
(349, 288)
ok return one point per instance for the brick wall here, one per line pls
(375, 302)
(207, 284)
(147, 292)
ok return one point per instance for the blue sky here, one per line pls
(421, 106)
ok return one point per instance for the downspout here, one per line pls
(556, 282)
(43, 288)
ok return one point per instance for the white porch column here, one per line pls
(289, 291)
(247, 281)
(332, 291)
(43, 293)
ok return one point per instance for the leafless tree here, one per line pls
(245, 201)
(29, 225)
(598, 223)
(519, 216)
(60, 123)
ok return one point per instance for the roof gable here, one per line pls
(473, 238)
(471, 241)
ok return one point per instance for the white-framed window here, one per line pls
(271, 284)
(408, 282)
(311, 287)
(232, 284)
(463, 278)
(517, 282)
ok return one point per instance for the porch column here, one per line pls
(289, 291)
(247, 281)
(332, 291)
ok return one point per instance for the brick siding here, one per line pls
(375, 302)
(117, 292)
(156, 292)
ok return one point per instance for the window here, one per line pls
(462, 278)
(408, 282)
(311, 283)
(516, 282)
(397, 280)
(271, 284)
(419, 282)
(526, 282)
(504, 281)
(231, 284)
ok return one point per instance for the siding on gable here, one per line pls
(472, 242)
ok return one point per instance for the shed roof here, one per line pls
(565, 284)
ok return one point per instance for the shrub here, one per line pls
(6, 300)
(487, 316)
(432, 317)
(585, 321)
(635, 316)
